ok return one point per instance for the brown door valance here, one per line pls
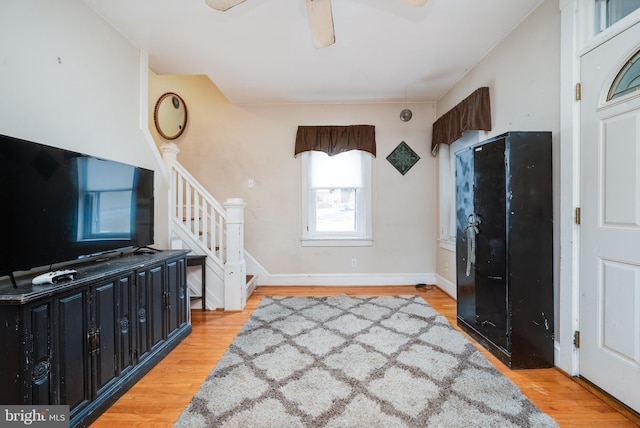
(474, 112)
(336, 139)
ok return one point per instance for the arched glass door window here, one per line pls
(627, 80)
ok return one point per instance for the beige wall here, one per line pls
(65, 86)
(523, 76)
(225, 145)
(68, 79)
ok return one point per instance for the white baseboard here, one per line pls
(447, 286)
(338, 279)
(346, 279)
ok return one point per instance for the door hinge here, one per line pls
(576, 339)
(578, 91)
(578, 215)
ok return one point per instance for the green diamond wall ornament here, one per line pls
(403, 158)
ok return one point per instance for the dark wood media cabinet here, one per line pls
(85, 342)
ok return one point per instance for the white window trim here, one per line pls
(336, 240)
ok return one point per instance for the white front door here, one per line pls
(610, 231)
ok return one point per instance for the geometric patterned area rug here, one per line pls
(356, 361)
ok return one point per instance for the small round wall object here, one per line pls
(405, 115)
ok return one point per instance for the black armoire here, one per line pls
(504, 246)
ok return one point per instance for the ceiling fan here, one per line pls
(320, 17)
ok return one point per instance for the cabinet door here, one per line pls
(39, 350)
(102, 335)
(183, 303)
(491, 244)
(15, 355)
(150, 329)
(73, 351)
(176, 289)
(125, 319)
(465, 213)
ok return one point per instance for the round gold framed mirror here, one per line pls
(170, 116)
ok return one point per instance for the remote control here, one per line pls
(54, 277)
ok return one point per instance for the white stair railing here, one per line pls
(201, 215)
(211, 228)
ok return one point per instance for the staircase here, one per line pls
(200, 223)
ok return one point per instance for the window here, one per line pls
(336, 198)
(608, 12)
(627, 80)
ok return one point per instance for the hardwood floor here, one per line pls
(159, 398)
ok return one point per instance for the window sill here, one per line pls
(336, 242)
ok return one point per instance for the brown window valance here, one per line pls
(336, 139)
(474, 112)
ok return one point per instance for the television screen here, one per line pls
(60, 205)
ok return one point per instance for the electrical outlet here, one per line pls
(250, 183)
(354, 262)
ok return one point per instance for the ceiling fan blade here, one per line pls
(223, 5)
(417, 2)
(321, 23)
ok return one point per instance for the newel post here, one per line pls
(169, 154)
(235, 269)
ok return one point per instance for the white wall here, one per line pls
(523, 76)
(225, 145)
(69, 80)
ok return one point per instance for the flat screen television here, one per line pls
(58, 205)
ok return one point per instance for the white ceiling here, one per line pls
(261, 50)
